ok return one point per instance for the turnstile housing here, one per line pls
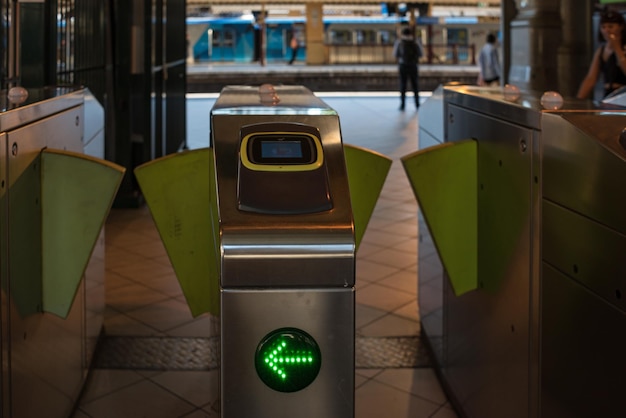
(286, 246)
(45, 358)
(543, 334)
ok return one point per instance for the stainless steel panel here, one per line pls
(491, 101)
(93, 140)
(431, 281)
(310, 249)
(540, 339)
(431, 119)
(5, 394)
(41, 103)
(524, 108)
(93, 136)
(584, 165)
(271, 100)
(583, 344)
(326, 314)
(95, 302)
(430, 274)
(487, 330)
(46, 352)
(586, 251)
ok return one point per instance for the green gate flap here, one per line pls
(177, 190)
(367, 171)
(444, 179)
(77, 192)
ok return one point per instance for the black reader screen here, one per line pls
(281, 149)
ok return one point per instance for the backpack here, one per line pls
(410, 52)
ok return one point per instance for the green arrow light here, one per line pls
(288, 359)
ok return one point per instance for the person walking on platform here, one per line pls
(407, 52)
(294, 45)
(489, 63)
(610, 58)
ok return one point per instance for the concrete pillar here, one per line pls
(535, 39)
(316, 52)
(577, 47)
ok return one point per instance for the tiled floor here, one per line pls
(144, 298)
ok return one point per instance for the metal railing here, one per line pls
(447, 54)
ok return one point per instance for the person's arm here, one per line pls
(396, 50)
(496, 63)
(420, 49)
(589, 82)
(481, 68)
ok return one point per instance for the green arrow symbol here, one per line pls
(288, 359)
(282, 357)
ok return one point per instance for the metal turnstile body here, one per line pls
(45, 358)
(543, 333)
(287, 255)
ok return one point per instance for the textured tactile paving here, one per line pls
(390, 352)
(175, 353)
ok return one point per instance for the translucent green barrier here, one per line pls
(367, 172)
(76, 192)
(180, 191)
(444, 180)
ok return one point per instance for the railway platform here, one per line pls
(212, 77)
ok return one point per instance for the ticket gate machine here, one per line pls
(287, 256)
(524, 204)
(261, 231)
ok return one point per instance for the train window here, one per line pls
(229, 37)
(386, 37)
(222, 43)
(365, 37)
(457, 36)
(340, 36)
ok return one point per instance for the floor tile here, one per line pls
(142, 399)
(198, 387)
(104, 382)
(418, 382)
(383, 298)
(393, 258)
(369, 271)
(403, 280)
(376, 400)
(163, 316)
(366, 315)
(390, 326)
(445, 412)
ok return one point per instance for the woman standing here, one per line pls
(610, 58)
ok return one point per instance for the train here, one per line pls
(368, 40)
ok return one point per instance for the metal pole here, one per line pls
(263, 40)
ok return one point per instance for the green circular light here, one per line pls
(288, 359)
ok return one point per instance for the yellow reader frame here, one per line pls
(243, 152)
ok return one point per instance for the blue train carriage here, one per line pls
(279, 31)
(458, 40)
(350, 40)
(222, 39)
(360, 40)
(237, 38)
